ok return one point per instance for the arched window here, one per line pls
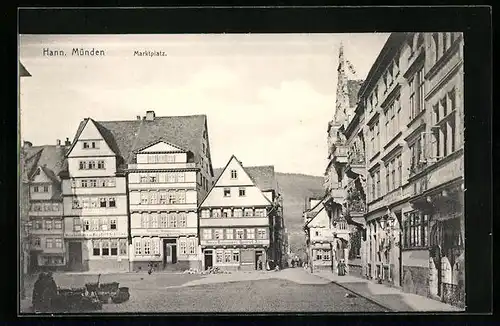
(435, 41)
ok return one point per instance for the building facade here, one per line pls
(95, 202)
(236, 219)
(131, 191)
(410, 111)
(168, 178)
(47, 248)
(344, 175)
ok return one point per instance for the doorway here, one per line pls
(33, 264)
(75, 256)
(259, 261)
(209, 259)
(169, 252)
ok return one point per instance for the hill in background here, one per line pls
(295, 188)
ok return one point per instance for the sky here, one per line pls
(268, 97)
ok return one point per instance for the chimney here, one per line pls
(58, 142)
(67, 142)
(138, 117)
(27, 144)
(150, 115)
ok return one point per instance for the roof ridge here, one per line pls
(156, 117)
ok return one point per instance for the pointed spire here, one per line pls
(342, 91)
(341, 57)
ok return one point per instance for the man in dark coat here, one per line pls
(50, 292)
(38, 292)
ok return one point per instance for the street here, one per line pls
(290, 290)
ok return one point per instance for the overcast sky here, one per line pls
(268, 97)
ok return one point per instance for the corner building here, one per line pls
(236, 220)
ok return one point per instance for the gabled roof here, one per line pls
(124, 137)
(23, 72)
(49, 157)
(263, 176)
(218, 173)
(157, 142)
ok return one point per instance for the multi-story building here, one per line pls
(411, 110)
(24, 199)
(47, 248)
(236, 218)
(131, 192)
(95, 200)
(344, 175)
(326, 236)
(169, 173)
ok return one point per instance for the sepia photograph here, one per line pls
(243, 172)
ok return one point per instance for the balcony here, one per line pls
(338, 194)
(355, 202)
(418, 167)
(340, 152)
(355, 164)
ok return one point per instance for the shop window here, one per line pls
(114, 247)
(96, 247)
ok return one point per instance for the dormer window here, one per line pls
(234, 174)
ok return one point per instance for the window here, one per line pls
(96, 247)
(170, 158)
(387, 177)
(326, 255)
(82, 165)
(143, 178)
(237, 212)
(242, 192)
(37, 242)
(112, 202)
(180, 176)
(319, 254)
(45, 188)
(102, 202)
(153, 198)
(35, 189)
(250, 233)
(86, 224)
(218, 234)
(205, 213)
(248, 212)
(154, 220)
(163, 220)
(216, 213)
(105, 248)
(192, 246)
(94, 202)
(444, 131)
(103, 224)
(239, 234)
(156, 246)
(435, 40)
(144, 220)
(172, 198)
(138, 247)
(393, 174)
(415, 229)
(153, 177)
(48, 224)
(112, 224)
(226, 212)
(261, 212)
(400, 171)
(86, 145)
(147, 246)
(234, 174)
(227, 256)
(181, 196)
(207, 234)
(144, 198)
(91, 165)
(77, 224)
(123, 247)
(218, 256)
(58, 225)
(163, 197)
(173, 220)
(227, 192)
(236, 256)
(114, 247)
(261, 234)
(182, 220)
(182, 246)
(229, 234)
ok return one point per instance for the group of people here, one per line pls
(44, 292)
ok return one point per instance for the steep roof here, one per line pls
(353, 87)
(263, 176)
(124, 137)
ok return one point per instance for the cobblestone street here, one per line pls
(291, 290)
